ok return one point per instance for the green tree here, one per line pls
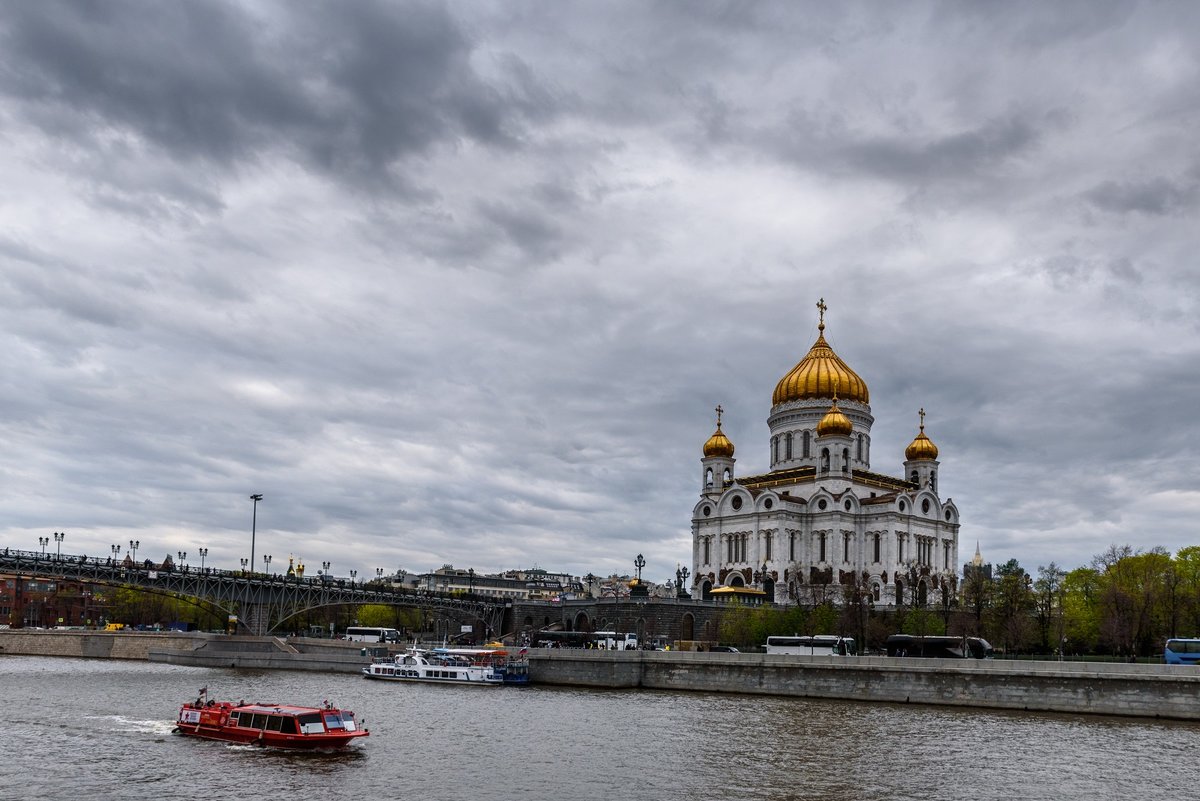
(1012, 607)
(1048, 603)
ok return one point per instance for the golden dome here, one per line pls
(718, 444)
(821, 374)
(921, 447)
(834, 423)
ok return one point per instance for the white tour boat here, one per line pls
(476, 667)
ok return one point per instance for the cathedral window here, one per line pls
(875, 593)
(915, 478)
(736, 503)
(807, 444)
(729, 543)
(788, 446)
(708, 476)
(825, 459)
(728, 476)
(767, 545)
(775, 448)
(845, 547)
(858, 452)
(933, 480)
(899, 548)
(945, 556)
(707, 555)
(822, 558)
(845, 460)
(792, 546)
(876, 548)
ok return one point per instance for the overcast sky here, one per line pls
(463, 283)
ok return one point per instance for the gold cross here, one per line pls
(822, 307)
(719, 410)
(922, 413)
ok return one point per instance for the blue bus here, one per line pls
(1181, 651)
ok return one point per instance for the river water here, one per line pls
(101, 729)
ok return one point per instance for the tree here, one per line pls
(1048, 603)
(1014, 602)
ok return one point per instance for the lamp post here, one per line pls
(639, 563)
(379, 574)
(590, 581)
(203, 553)
(133, 546)
(471, 579)
(116, 551)
(245, 562)
(43, 541)
(267, 563)
(325, 575)
(353, 576)
(254, 523)
(59, 536)
(681, 577)
(182, 556)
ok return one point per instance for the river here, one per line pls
(101, 729)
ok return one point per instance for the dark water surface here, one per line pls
(99, 729)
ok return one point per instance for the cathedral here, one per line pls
(821, 525)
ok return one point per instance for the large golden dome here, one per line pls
(821, 374)
(921, 447)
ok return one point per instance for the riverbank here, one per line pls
(1127, 690)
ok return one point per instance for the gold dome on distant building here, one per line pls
(834, 423)
(820, 373)
(921, 447)
(718, 444)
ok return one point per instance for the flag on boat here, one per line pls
(204, 691)
(523, 651)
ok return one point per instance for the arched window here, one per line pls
(807, 444)
(845, 460)
(825, 459)
(933, 480)
(858, 453)
(822, 537)
(915, 477)
(877, 549)
(708, 478)
(728, 476)
(787, 448)
(875, 592)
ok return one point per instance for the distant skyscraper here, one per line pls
(821, 525)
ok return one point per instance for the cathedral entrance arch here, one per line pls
(769, 589)
(581, 622)
(706, 591)
(687, 627)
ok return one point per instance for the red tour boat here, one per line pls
(274, 725)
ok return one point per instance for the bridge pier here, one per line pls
(256, 618)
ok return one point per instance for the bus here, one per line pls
(615, 640)
(1182, 651)
(938, 647)
(561, 639)
(372, 634)
(812, 645)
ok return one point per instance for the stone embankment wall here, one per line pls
(196, 649)
(1141, 690)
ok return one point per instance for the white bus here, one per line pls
(814, 645)
(372, 634)
(615, 641)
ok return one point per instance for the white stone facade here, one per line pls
(821, 523)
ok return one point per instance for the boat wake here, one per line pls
(122, 723)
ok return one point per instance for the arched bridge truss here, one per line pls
(261, 602)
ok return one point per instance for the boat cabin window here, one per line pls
(287, 726)
(333, 721)
(233, 718)
(274, 723)
(257, 721)
(311, 723)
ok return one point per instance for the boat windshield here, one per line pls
(310, 723)
(333, 721)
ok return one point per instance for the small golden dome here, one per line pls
(718, 444)
(819, 374)
(834, 423)
(921, 447)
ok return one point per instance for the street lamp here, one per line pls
(245, 562)
(133, 546)
(639, 563)
(471, 579)
(182, 556)
(353, 576)
(59, 536)
(203, 553)
(267, 562)
(681, 577)
(116, 551)
(254, 523)
(379, 574)
(43, 541)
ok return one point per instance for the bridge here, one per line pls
(260, 602)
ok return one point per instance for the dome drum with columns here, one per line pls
(821, 525)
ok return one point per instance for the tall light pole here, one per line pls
(245, 562)
(43, 541)
(203, 553)
(116, 551)
(256, 497)
(133, 546)
(353, 576)
(267, 562)
(59, 536)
